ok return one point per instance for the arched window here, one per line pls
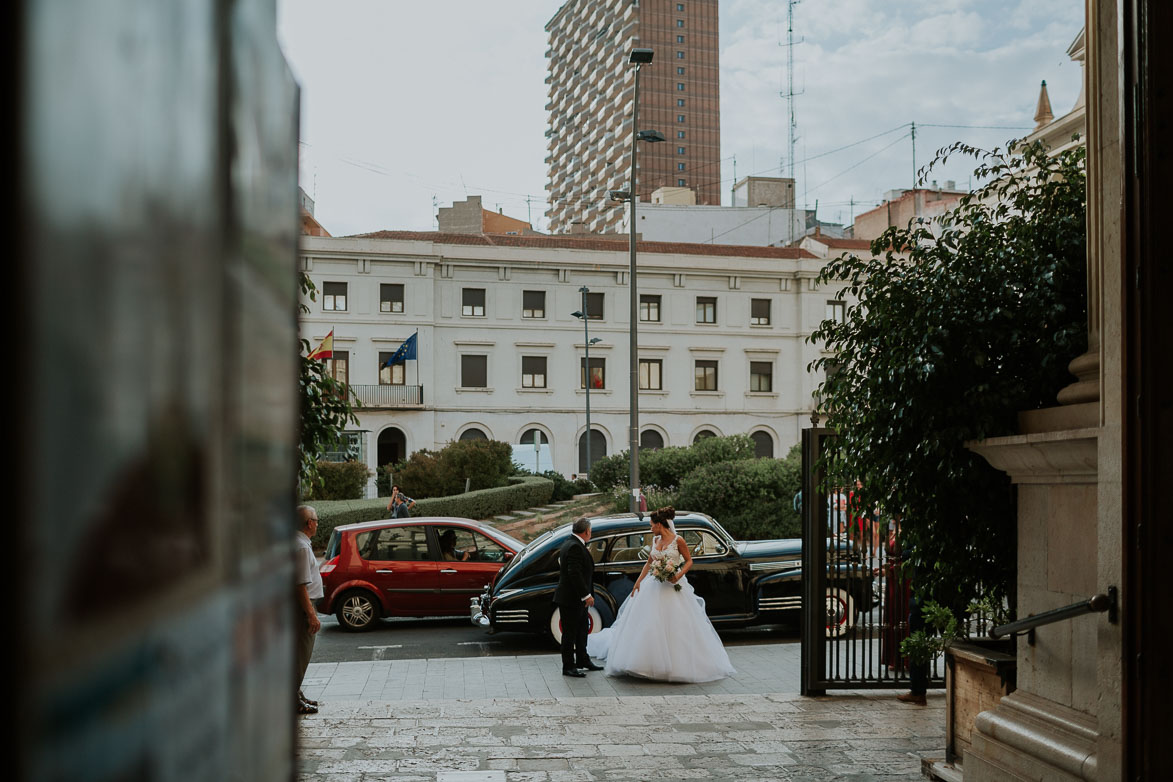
(598, 449)
(650, 438)
(763, 445)
(702, 434)
(473, 434)
(528, 437)
(392, 446)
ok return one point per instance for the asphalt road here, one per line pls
(408, 639)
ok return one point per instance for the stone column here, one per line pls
(1064, 722)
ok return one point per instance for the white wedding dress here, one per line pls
(662, 634)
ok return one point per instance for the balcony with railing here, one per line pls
(388, 396)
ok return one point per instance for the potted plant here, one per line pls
(979, 670)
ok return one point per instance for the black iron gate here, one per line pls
(855, 600)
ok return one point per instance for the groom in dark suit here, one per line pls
(573, 597)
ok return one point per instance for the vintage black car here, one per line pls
(742, 582)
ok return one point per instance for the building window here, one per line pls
(598, 373)
(472, 302)
(533, 372)
(706, 309)
(530, 434)
(391, 375)
(680, 134)
(679, 56)
(680, 86)
(338, 367)
(390, 298)
(680, 39)
(705, 375)
(680, 101)
(650, 439)
(679, 166)
(680, 150)
(759, 312)
(680, 118)
(761, 376)
(837, 311)
(763, 445)
(474, 371)
(334, 296)
(651, 374)
(533, 304)
(679, 71)
(703, 434)
(649, 308)
(594, 304)
(680, 6)
(473, 434)
(680, 183)
(680, 23)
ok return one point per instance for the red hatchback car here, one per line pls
(409, 567)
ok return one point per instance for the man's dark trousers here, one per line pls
(574, 635)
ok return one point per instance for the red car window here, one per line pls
(394, 544)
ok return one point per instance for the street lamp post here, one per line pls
(587, 342)
(638, 58)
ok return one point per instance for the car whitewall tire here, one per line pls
(840, 612)
(594, 623)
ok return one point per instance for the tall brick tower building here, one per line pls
(591, 88)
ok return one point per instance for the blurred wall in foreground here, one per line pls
(153, 304)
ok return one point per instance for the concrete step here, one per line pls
(505, 518)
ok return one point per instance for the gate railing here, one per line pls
(855, 597)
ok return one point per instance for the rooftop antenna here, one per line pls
(790, 94)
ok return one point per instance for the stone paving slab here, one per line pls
(481, 718)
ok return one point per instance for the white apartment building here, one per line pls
(722, 340)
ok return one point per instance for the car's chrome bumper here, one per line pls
(476, 613)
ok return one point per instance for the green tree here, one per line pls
(484, 464)
(325, 406)
(946, 346)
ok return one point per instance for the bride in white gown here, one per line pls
(662, 631)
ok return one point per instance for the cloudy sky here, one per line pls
(409, 103)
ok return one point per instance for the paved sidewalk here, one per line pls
(517, 719)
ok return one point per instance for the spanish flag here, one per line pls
(324, 350)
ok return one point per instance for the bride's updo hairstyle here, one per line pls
(663, 516)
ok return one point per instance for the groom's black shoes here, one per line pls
(590, 667)
(573, 672)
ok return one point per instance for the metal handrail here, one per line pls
(1095, 604)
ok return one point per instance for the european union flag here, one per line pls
(406, 352)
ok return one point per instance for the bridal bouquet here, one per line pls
(664, 569)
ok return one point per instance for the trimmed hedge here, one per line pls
(523, 492)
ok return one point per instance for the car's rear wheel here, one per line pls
(358, 610)
(594, 623)
(840, 612)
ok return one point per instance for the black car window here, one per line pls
(597, 546)
(632, 547)
(400, 544)
(702, 543)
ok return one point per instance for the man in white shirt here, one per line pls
(309, 588)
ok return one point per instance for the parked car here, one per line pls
(409, 567)
(742, 582)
